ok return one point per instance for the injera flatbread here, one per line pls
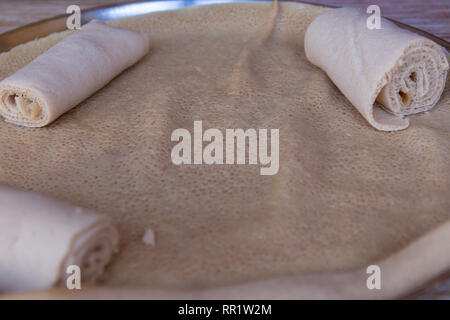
(346, 195)
(401, 70)
(41, 238)
(68, 73)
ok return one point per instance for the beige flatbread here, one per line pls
(42, 238)
(403, 71)
(68, 73)
(403, 272)
(346, 195)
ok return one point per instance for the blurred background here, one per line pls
(432, 16)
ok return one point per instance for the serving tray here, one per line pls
(45, 27)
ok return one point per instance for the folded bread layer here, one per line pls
(346, 195)
(41, 237)
(68, 73)
(386, 73)
(406, 271)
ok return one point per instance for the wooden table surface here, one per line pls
(432, 16)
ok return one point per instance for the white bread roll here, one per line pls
(68, 73)
(403, 71)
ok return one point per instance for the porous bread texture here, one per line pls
(417, 80)
(345, 195)
(403, 272)
(40, 238)
(68, 73)
(21, 105)
(403, 71)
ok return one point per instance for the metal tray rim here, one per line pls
(42, 28)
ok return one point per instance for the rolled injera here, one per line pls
(386, 73)
(68, 73)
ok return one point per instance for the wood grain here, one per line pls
(432, 16)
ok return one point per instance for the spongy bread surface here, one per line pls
(345, 194)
